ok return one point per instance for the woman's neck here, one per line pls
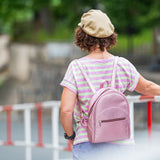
(98, 54)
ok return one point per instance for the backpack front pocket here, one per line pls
(111, 120)
(112, 125)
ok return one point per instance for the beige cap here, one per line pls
(97, 24)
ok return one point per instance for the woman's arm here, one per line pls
(147, 87)
(68, 100)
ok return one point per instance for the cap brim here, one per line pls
(79, 24)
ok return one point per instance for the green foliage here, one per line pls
(13, 11)
(128, 16)
(55, 2)
(61, 33)
(143, 38)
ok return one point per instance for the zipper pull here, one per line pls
(100, 123)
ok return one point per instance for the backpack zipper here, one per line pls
(111, 120)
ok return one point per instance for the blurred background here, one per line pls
(37, 44)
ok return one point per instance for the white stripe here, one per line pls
(47, 104)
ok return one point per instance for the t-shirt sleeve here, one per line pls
(69, 79)
(133, 76)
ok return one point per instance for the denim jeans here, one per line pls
(101, 151)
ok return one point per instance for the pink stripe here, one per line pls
(82, 131)
(95, 67)
(83, 85)
(76, 119)
(85, 96)
(80, 127)
(122, 75)
(134, 86)
(65, 85)
(81, 137)
(76, 114)
(89, 60)
(88, 90)
(95, 73)
(82, 141)
(107, 77)
(98, 83)
(71, 78)
(119, 68)
(89, 96)
(95, 78)
(122, 80)
(103, 77)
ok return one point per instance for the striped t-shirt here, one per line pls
(97, 70)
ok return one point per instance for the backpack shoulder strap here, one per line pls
(114, 72)
(85, 75)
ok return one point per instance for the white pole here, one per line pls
(131, 108)
(27, 123)
(55, 132)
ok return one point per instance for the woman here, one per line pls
(95, 34)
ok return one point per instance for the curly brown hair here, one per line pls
(85, 42)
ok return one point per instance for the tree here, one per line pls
(131, 17)
(13, 11)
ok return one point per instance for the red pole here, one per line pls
(149, 109)
(8, 110)
(69, 147)
(40, 124)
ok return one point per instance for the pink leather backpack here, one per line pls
(108, 112)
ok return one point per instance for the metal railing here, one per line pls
(28, 143)
(55, 106)
(143, 99)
